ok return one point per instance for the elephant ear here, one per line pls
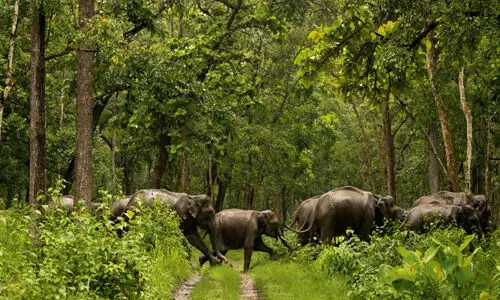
(263, 218)
(187, 205)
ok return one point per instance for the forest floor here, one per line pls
(266, 280)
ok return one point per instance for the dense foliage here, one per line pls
(261, 104)
(82, 257)
(442, 264)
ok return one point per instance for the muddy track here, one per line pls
(247, 285)
(247, 288)
(185, 289)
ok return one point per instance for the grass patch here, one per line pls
(219, 282)
(291, 280)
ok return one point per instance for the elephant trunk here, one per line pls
(284, 242)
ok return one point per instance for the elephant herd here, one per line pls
(319, 218)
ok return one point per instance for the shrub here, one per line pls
(409, 265)
(80, 256)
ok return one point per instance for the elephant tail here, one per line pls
(310, 221)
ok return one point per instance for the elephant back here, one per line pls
(352, 201)
(148, 196)
(444, 198)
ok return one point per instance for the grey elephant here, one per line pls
(237, 228)
(302, 217)
(120, 206)
(479, 203)
(349, 207)
(427, 213)
(194, 211)
(67, 202)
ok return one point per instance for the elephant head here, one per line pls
(199, 208)
(269, 224)
(467, 217)
(384, 208)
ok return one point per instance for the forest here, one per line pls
(253, 105)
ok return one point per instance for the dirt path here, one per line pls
(247, 288)
(184, 290)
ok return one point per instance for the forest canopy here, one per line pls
(259, 104)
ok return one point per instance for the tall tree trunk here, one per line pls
(37, 107)
(127, 171)
(366, 147)
(451, 163)
(184, 172)
(219, 202)
(84, 107)
(248, 189)
(283, 202)
(161, 161)
(389, 147)
(10, 61)
(433, 162)
(468, 119)
(258, 180)
(382, 163)
(489, 143)
(113, 162)
(99, 106)
(61, 111)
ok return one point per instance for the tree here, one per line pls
(468, 118)
(37, 105)
(84, 107)
(10, 61)
(432, 71)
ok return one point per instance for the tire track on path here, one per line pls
(247, 285)
(184, 290)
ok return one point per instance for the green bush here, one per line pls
(81, 256)
(409, 265)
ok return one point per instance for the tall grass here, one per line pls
(220, 282)
(291, 280)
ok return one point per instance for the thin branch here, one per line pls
(400, 125)
(132, 33)
(433, 148)
(66, 51)
(423, 34)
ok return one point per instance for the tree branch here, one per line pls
(423, 34)
(132, 33)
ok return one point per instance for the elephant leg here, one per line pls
(327, 232)
(260, 246)
(203, 258)
(248, 247)
(195, 239)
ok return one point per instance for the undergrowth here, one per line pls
(49, 254)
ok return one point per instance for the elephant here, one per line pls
(68, 202)
(237, 228)
(119, 207)
(479, 203)
(349, 207)
(464, 215)
(301, 217)
(194, 211)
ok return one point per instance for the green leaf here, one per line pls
(410, 257)
(466, 242)
(429, 254)
(464, 275)
(434, 271)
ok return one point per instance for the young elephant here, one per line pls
(237, 228)
(423, 214)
